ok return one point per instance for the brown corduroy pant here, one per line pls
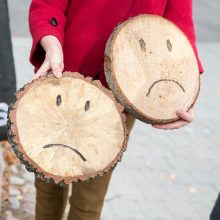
(86, 200)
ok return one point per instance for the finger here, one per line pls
(56, 70)
(43, 70)
(187, 116)
(40, 74)
(171, 126)
(62, 67)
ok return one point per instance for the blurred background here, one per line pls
(164, 174)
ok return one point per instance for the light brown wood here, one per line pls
(152, 69)
(67, 129)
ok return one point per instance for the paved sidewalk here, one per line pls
(2, 167)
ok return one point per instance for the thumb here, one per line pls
(57, 71)
(62, 66)
(187, 116)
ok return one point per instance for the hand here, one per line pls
(185, 119)
(53, 59)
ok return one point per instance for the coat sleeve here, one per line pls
(46, 17)
(180, 13)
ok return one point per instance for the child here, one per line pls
(71, 35)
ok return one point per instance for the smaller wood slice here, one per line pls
(67, 130)
(152, 69)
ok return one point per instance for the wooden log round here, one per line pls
(67, 130)
(152, 69)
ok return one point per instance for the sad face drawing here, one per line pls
(68, 129)
(152, 69)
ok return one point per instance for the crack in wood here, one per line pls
(66, 146)
(164, 80)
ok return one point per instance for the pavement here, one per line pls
(164, 175)
(2, 168)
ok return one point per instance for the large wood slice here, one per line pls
(67, 129)
(152, 69)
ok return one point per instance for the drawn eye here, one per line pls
(142, 45)
(59, 100)
(169, 45)
(87, 106)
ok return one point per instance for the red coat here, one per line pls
(84, 26)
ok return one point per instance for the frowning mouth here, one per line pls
(66, 146)
(164, 80)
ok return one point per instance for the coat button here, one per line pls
(54, 22)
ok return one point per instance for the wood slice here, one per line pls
(152, 69)
(67, 129)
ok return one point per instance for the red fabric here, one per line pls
(85, 26)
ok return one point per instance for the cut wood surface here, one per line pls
(152, 69)
(67, 129)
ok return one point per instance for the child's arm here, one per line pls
(180, 13)
(47, 22)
